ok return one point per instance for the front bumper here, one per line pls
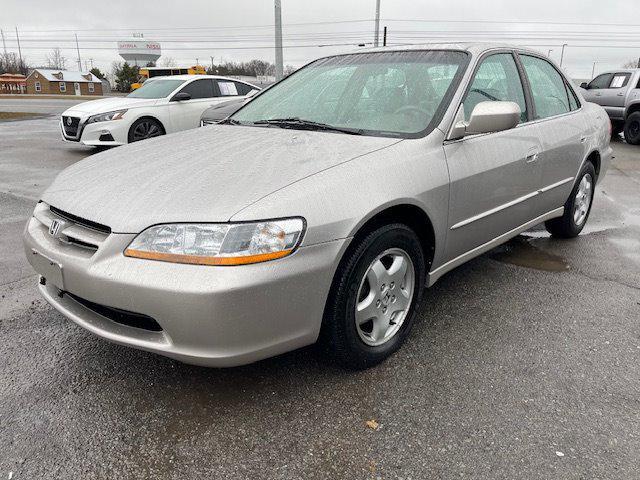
(112, 133)
(211, 316)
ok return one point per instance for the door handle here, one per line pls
(621, 94)
(532, 157)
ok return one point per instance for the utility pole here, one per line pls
(384, 37)
(593, 70)
(279, 66)
(4, 44)
(212, 65)
(564, 45)
(376, 36)
(549, 54)
(78, 49)
(19, 49)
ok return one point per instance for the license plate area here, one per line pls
(48, 268)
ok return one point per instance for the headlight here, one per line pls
(218, 244)
(105, 117)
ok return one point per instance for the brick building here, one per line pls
(61, 82)
(12, 83)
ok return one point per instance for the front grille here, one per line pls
(98, 227)
(70, 125)
(122, 317)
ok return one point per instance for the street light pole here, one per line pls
(593, 71)
(278, 32)
(549, 54)
(562, 55)
(78, 49)
(376, 36)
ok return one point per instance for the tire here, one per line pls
(578, 206)
(352, 345)
(145, 128)
(632, 129)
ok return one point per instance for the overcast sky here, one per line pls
(188, 30)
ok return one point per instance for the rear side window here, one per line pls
(497, 79)
(548, 88)
(601, 81)
(242, 88)
(620, 80)
(199, 89)
(228, 88)
(573, 99)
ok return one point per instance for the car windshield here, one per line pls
(390, 94)
(156, 88)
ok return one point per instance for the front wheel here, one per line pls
(577, 208)
(374, 296)
(144, 128)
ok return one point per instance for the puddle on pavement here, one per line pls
(522, 253)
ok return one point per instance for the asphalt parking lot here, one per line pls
(525, 364)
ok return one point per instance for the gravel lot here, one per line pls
(525, 364)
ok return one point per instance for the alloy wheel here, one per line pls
(384, 297)
(583, 200)
(146, 130)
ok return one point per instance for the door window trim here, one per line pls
(528, 95)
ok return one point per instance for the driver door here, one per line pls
(493, 177)
(186, 114)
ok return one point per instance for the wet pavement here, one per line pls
(525, 363)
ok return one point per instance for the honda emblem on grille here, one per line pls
(69, 121)
(56, 227)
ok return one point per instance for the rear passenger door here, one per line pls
(493, 176)
(562, 128)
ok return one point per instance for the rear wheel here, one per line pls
(632, 129)
(373, 299)
(144, 128)
(577, 208)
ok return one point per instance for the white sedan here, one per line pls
(162, 105)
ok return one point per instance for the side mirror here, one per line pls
(584, 85)
(487, 117)
(181, 97)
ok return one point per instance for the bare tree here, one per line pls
(632, 64)
(168, 62)
(10, 63)
(56, 60)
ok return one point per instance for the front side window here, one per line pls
(601, 81)
(496, 80)
(63, 87)
(199, 89)
(548, 88)
(397, 94)
(159, 88)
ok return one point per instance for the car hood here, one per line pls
(110, 104)
(202, 175)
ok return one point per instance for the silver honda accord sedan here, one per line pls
(321, 210)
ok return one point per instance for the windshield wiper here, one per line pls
(299, 123)
(230, 121)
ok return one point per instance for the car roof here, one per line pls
(475, 48)
(195, 77)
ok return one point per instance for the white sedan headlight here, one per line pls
(106, 117)
(218, 244)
